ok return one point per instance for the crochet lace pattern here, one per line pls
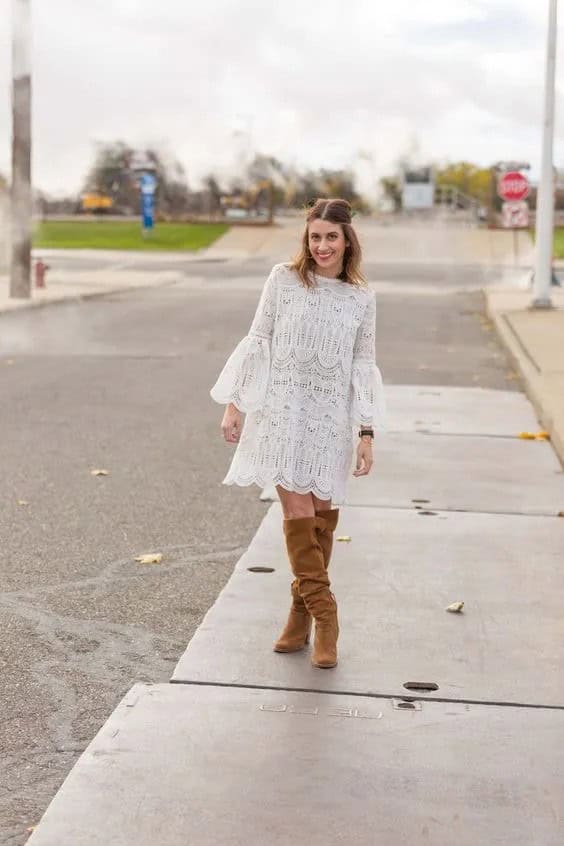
(306, 377)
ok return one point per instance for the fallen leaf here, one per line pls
(455, 607)
(97, 472)
(151, 558)
(526, 436)
(344, 538)
(23, 502)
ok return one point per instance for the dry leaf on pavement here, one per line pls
(151, 558)
(344, 538)
(455, 607)
(23, 502)
(97, 472)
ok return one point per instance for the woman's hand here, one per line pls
(232, 424)
(364, 458)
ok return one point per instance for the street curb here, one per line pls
(531, 378)
(88, 295)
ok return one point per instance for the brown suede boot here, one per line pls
(325, 533)
(297, 631)
(306, 558)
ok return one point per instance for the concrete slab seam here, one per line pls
(368, 695)
(456, 434)
(380, 506)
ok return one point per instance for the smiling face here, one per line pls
(327, 245)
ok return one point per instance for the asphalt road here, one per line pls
(122, 383)
(444, 273)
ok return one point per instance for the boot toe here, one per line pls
(283, 647)
(324, 665)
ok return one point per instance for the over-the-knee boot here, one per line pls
(297, 632)
(306, 558)
(326, 530)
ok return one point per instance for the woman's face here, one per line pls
(327, 245)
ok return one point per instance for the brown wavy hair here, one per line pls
(339, 212)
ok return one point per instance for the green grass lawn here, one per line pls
(126, 235)
(559, 243)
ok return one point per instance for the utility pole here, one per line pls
(545, 197)
(21, 196)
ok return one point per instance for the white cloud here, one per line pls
(314, 83)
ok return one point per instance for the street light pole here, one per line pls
(545, 197)
(21, 196)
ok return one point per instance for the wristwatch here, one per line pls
(369, 432)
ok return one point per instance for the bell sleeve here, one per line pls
(244, 379)
(368, 400)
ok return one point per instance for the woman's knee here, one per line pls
(321, 504)
(295, 505)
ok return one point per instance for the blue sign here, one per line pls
(148, 183)
(148, 210)
(148, 186)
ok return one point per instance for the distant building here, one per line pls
(418, 188)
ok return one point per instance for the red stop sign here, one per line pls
(513, 186)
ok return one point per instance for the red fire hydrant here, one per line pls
(40, 272)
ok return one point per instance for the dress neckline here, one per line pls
(320, 278)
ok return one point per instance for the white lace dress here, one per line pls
(306, 377)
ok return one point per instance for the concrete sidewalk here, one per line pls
(535, 342)
(434, 727)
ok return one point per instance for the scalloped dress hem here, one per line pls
(336, 498)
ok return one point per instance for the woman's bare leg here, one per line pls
(295, 505)
(321, 504)
(301, 505)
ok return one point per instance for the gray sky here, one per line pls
(324, 83)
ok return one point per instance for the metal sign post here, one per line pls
(513, 188)
(515, 216)
(545, 197)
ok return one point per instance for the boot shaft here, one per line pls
(326, 532)
(308, 565)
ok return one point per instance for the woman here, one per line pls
(304, 376)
